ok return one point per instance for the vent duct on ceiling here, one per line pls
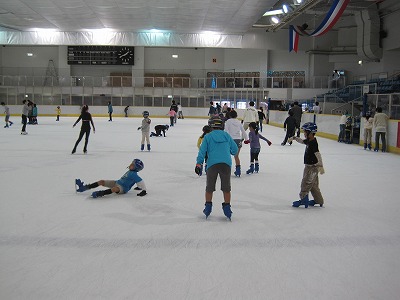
(368, 27)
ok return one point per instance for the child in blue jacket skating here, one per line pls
(120, 186)
(218, 146)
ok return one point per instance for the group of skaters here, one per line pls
(131, 177)
(223, 138)
(28, 116)
(378, 121)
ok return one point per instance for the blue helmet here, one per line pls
(139, 165)
(309, 126)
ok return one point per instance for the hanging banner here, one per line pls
(330, 20)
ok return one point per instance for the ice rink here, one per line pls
(58, 244)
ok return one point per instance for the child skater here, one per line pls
(254, 140)
(58, 112)
(313, 166)
(219, 146)
(290, 127)
(120, 186)
(7, 113)
(206, 129)
(172, 116)
(145, 130)
(159, 129)
(86, 118)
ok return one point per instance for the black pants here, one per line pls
(24, 120)
(110, 114)
(83, 131)
(298, 128)
(254, 154)
(289, 134)
(382, 135)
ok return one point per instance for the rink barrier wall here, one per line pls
(328, 125)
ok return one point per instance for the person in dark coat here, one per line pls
(159, 129)
(297, 112)
(290, 127)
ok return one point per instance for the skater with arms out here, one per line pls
(312, 166)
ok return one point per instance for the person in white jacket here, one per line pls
(368, 124)
(250, 115)
(380, 124)
(235, 129)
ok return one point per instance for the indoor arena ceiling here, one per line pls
(178, 16)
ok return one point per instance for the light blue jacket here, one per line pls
(128, 180)
(219, 146)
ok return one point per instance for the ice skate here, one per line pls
(81, 186)
(256, 167)
(226, 207)
(237, 171)
(207, 209)
(296, 203)
(303, 201)
(313, 203)
(251, 170)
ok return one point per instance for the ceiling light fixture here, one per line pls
(175, 55)
(285, 8)
(273, 12)
(275, 20)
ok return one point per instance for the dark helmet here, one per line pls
(206, 129)
(309, 126)
(145, 113)
(139, 165)
(216, 122)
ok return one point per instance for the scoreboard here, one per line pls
(100, 55)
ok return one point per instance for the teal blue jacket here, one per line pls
(219, 146)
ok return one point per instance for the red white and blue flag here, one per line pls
(330, 20)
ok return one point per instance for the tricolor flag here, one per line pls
(293, 39)
(330, 20)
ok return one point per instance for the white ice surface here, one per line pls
(58, 244)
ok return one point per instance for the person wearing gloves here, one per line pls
(145, 128)
(218, 146)
(250, 115)
(120, 186)
(313, 166)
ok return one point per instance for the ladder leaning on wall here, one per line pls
(51, 77)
